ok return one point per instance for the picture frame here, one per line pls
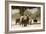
(26, 5)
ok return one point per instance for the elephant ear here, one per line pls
(21, 18)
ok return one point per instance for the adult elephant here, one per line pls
(18, 21)
(24, 20)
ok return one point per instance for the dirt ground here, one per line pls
(28, 27)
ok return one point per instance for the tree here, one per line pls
(36, 15)
(16, 15)
(27, 13)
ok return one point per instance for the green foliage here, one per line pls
(17, 15)
(36, 15)
(27, 13)
(33, 16)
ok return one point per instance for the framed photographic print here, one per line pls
(24, 16)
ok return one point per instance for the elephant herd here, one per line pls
(23, 20)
